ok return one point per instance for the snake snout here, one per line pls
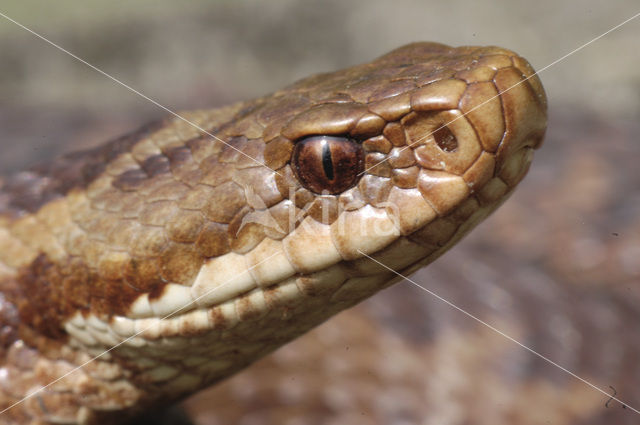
(524, 107)
(472, 136)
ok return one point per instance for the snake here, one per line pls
(141, 271)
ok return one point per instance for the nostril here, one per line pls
(445, 139)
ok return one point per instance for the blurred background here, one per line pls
(206, 53)
(563, 253)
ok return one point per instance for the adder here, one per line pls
(188, 256)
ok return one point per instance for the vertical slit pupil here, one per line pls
(327, 162)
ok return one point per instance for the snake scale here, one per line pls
(195, 256)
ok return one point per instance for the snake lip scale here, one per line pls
(397, 159)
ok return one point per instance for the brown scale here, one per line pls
(338, 142)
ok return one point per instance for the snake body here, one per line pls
(195, 256)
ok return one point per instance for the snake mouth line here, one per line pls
(339, 285)
(177, 254)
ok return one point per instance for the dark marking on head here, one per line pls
(9, 318)
(40, 298)
(179, 155)
(44, 182)
(46, 293)
(130, 180)
(156, 165)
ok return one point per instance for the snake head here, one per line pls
(394, 160)
(193, 256)
(412, 149)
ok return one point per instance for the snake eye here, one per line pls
(327, 163)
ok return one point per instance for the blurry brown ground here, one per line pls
(573, 228)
